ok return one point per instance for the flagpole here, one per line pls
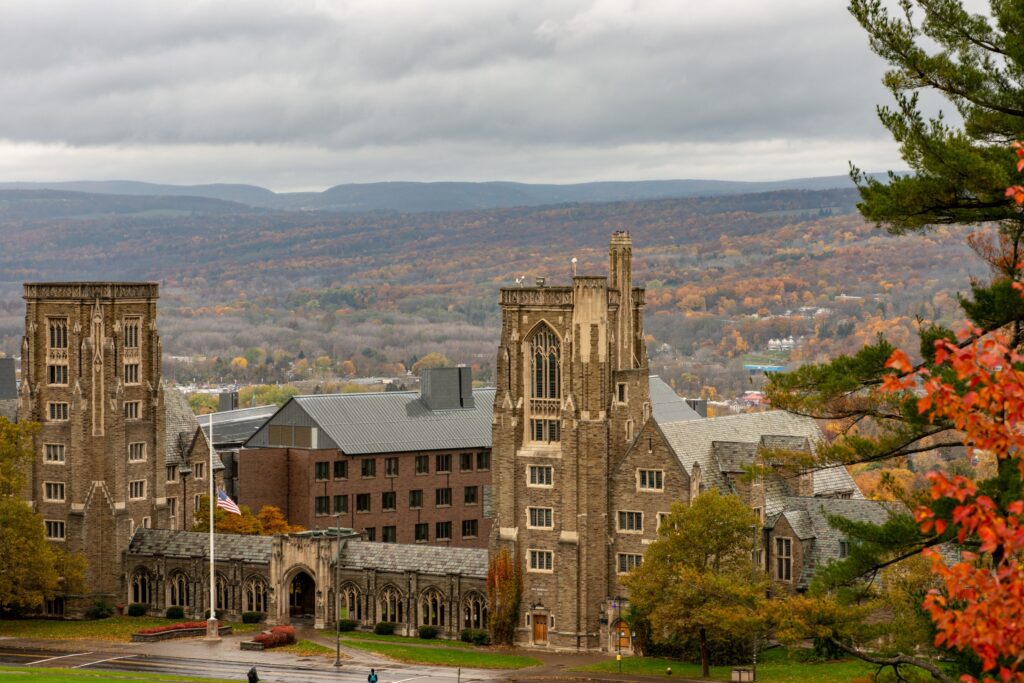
(212, 632)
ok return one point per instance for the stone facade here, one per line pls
(303, 578)
(91, 378)
(571, 395)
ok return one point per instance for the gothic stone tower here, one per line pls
(572, 389)
(91, 378)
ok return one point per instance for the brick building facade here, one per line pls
(399, 466)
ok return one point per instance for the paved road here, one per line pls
(317, 672)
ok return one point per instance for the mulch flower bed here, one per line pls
(185, 629)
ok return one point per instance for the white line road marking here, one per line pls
(409, 679)
(77, 654)
(109, 659)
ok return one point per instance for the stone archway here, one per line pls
(301, 596)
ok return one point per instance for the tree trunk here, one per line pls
(705, 657)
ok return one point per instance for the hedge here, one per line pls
(384, 628)
(252, 617)
(476, 636)
(347, 624)
(136, 610)
(277, 636)
(175, 613)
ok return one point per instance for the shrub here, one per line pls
(347, 625)
(276, 637)
(175, 613)
(136, 610)
(476, 636)
(428, 632)
(384, 628)
(101, 609)
(252, 617)
(174, 627)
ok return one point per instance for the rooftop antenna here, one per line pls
(574, 260)
(519, 280)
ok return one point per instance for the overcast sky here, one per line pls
(304, 94)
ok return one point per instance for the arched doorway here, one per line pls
(302, 597)
(622, 639)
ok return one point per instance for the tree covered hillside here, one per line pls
(306, 293)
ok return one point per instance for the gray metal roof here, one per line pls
(385, 422)
(667, 405)
(235, 427)
(174, 543)
(426, 559)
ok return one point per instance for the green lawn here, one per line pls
(307, 648)
(22, 674)
(774, 666)
(403, 640)
(118, 629)
(442, 656)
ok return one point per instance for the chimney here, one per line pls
(228, 400)
(8, 381)
(447, 388)
(620, 277)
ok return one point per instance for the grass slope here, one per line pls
(442, 656)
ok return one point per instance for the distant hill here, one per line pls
(411, 197)
(56, 204)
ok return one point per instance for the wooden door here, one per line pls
(540, 628)
(622, 633)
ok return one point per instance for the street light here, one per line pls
(756, 564)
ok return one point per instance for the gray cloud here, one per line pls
(306, 94)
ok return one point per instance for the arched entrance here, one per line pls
(622, 639)
(302, 597)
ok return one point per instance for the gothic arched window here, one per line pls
(223, 593)
(142, 588)
(474, 611)
(545, 366)
(255, 595)
(545, 382)
(179, 590)
(390, 606)
(432, 608)
(351, 604)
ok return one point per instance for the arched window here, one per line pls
(351, 603)
(545, 385)
(389, 606)
(255, 595)
(179, 590)
(432, 608)
(474, 611)
(223, 593)
(142, 588)
(545, 368)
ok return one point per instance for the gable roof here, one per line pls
(406, 557)
(693, 441)
(667, 405)
(385, 422)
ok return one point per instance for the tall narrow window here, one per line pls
(58, 337)
(131, 332)
(544, 353)
(784, 559)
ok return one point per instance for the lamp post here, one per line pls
(618, 631)
(185, 470)
(756, 569)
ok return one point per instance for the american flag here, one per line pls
(225, 503)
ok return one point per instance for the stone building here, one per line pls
(295, 578)
(590, 453)
(91, 376)
(399, 466)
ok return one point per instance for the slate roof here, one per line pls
(234, 427)
(809, 519)
(178, 418)
(733, 456)
(667, 405)
(426, 559)
(174, 543)
(389, 422)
